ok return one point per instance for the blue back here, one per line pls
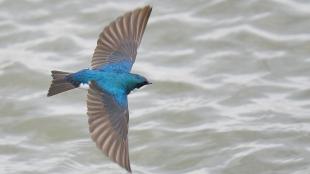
(124, 65)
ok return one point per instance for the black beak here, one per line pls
(142, 84)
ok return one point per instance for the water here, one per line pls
(230, 91)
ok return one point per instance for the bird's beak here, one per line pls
(149, 83)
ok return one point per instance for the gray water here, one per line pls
(230, 91)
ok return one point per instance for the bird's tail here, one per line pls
(59, 83)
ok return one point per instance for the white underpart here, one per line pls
(84, 86)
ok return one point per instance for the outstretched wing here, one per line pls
(108, 125)
(120, 40)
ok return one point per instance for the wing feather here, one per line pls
(123, 35)
(108, 127)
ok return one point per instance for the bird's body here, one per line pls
(110, 81)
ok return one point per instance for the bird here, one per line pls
(110, 81)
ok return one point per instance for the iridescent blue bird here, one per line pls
(110, 81)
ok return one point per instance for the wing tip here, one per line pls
(148, 9)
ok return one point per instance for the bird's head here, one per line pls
(137, 81)
(140, 81)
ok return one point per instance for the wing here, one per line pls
(108, 125)
(120, 40)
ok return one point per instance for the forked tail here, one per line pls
(59, 83)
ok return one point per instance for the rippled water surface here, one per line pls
(230, 91)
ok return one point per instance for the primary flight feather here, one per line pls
(110, 81)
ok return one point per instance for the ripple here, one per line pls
(302, 8)
(222, 33)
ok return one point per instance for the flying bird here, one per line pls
(110, 81)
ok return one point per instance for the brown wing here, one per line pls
(122, 36)
(108, 125)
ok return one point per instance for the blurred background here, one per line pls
(230, 91)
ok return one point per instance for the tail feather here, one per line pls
(59, 83)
